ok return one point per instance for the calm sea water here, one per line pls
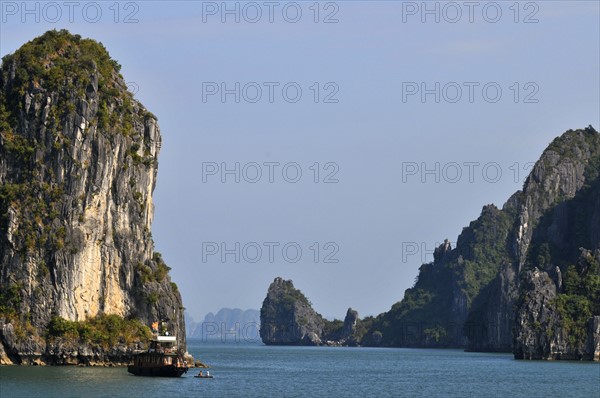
(246, 370)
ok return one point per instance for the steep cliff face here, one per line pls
(348, 334)
(569, 164)
(555, 325)
(78, 164)
(287, 318)
(549, 228)
(556, 238)
(491, 317)
(490, 322)
(517, 279)
(433, 312)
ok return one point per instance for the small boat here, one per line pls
(162, 359)
(204, 376)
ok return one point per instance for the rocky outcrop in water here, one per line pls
(347, 334)
(554, 325)
(78, 164)
(287, 318)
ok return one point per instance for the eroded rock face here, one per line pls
(554, 178)
(286, 317)
(558, 227)
(436, 311)
(545, 329)
(471, 296)
(490, 323)
(557, 213)
(78, 166)
(350, 322)
(593, 339)
(535, 316)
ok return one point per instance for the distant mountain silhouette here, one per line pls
(227, 325)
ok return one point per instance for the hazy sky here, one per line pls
(409, 126)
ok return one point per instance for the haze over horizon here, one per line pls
(396, 172)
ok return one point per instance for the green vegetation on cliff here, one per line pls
(565, 246)
(10, 299)
(287, 317)
(580, 300)
(552, 246)
(158, 274)
(427, 315)
(63, 67)
(284, 300)
(78, 163)
(63, 63)
(68, 70)
(105, 331)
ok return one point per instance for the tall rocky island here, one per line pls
(79, 279)
(524, 278)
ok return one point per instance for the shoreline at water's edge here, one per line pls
(77, 360)
(79, 355)
(552, 357)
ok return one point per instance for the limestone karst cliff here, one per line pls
(78, 165)
(558, 251)
(287, 318)
(434, 311)
(524, 278)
